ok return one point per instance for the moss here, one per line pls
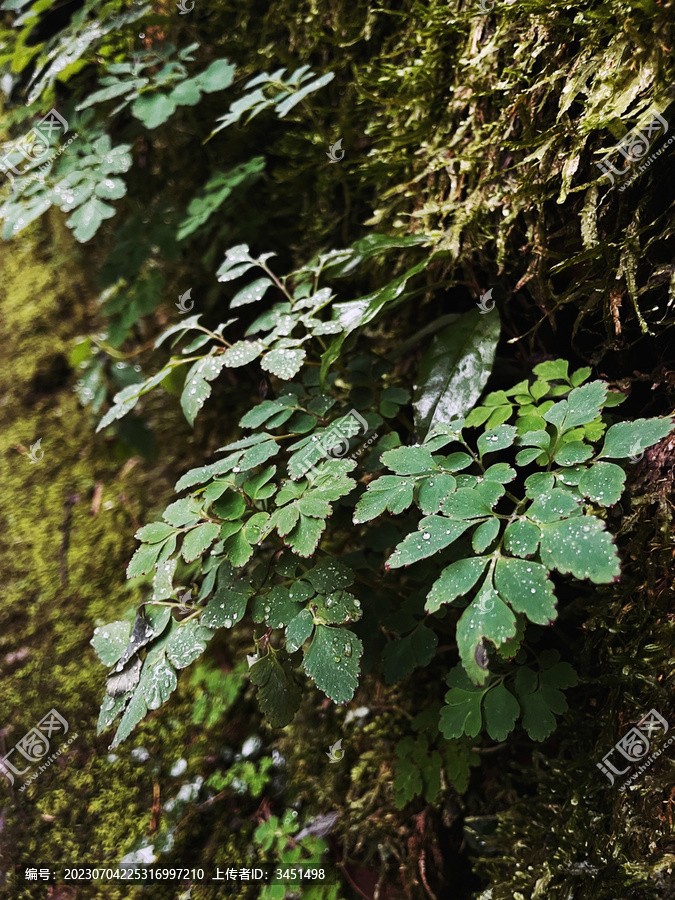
(64, 573)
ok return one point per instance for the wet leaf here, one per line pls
(581, 547)
(332, 661)
(455, 369)
(278, 691)
(187, 643)
(110, 641)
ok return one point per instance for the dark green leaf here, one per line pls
(501, 710)
(487, 617)
(496, 439)
(402, 656)
(455, 369)
(456, 580)
(279, 694)
(521, 538)
(527, 589)
(332, 661)
(434, 534)
(197, 541)
(299, 630)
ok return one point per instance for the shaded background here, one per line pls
(481, 131)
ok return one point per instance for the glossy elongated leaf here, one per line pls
(455, 369)
(356, 313)
(340, 263)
